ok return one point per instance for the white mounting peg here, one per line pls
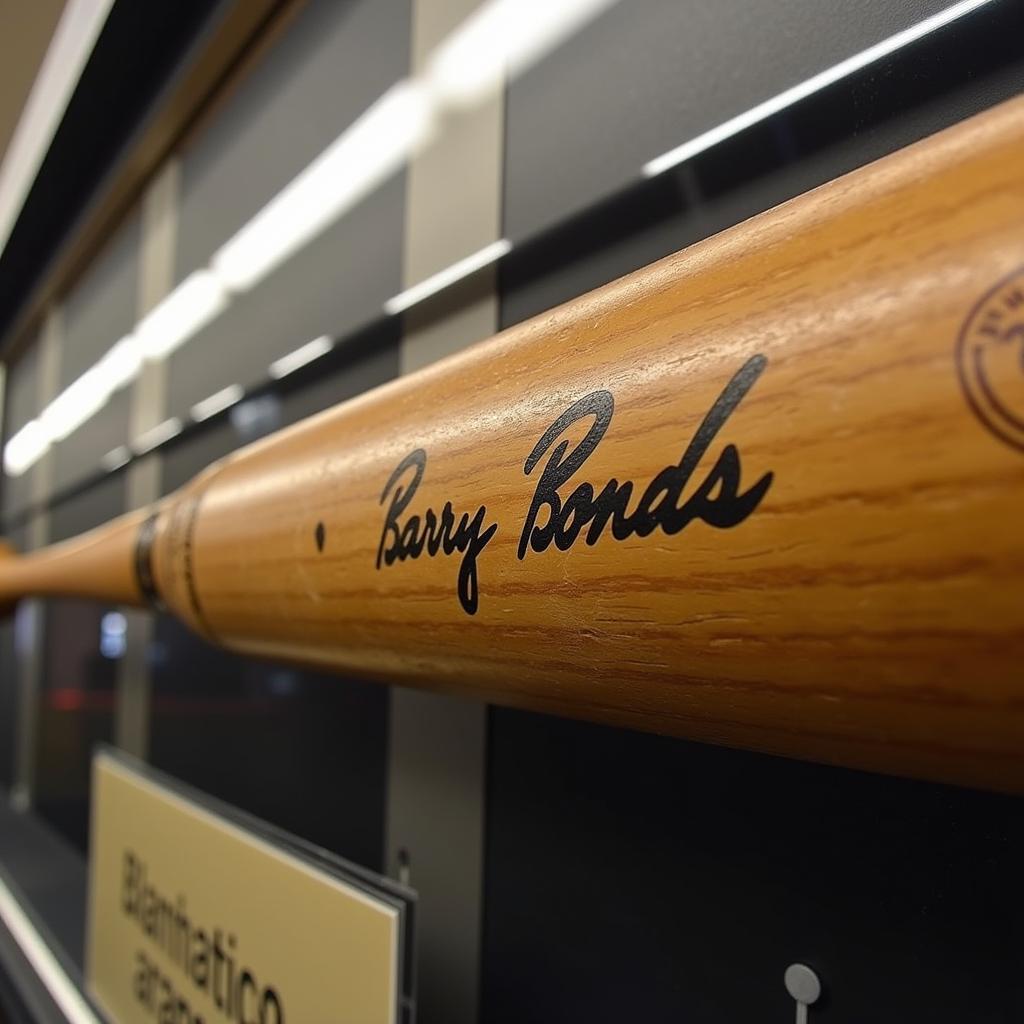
(803, 985)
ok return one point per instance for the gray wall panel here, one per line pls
(79, 454)
(21, 403)
(824, 137)
(99, 311)
(339, 281)
(650, 74)
(335, 61)
(88, 510)
(101, 308)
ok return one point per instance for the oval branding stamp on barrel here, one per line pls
(990, 359)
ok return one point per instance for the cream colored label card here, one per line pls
(193, 918)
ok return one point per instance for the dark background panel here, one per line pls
(634, 877)
(939, 81)
(305, 750)
(21, 404)
(76, 700)
(648, 75)
(9, 697)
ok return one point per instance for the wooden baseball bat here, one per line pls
(767, 492)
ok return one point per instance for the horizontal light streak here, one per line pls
(502, 38)
(116, 458)
(783, 100)
(360, 159)
(46, 965)
(217, 402)
(447, 277)
(74, 405)
(156, 436)
(121, 365)
(25, 448)
(188, 309)
(90, 392)
(300, 357)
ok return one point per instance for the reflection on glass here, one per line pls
(83, 643)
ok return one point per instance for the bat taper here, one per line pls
(767, 492)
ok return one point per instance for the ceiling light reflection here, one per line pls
(300, 357)
(360, 159)
(217, 402)
(188, 309)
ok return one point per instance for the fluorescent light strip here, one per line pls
(74, 405)
(820, 81)
(25, 448)
(46, 965)
(360, 159)
(300, 357)
(121, 364)
(156, 436)
(503, 37)
(69, 50)
(188, 309)
(116, 458)
(443, 278)
(86, 395)
(494, 40)
(217, 402)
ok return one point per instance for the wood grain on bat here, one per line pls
(767, 492)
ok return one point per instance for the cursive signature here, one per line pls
(433, 533)
(718, 500)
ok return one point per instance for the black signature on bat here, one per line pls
(435, 533)
(717, 501)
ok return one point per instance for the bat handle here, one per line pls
(99, 565)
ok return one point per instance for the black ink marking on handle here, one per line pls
(187, 515)
(144, 561)
(320, 534)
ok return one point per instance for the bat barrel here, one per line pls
(766, 492)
